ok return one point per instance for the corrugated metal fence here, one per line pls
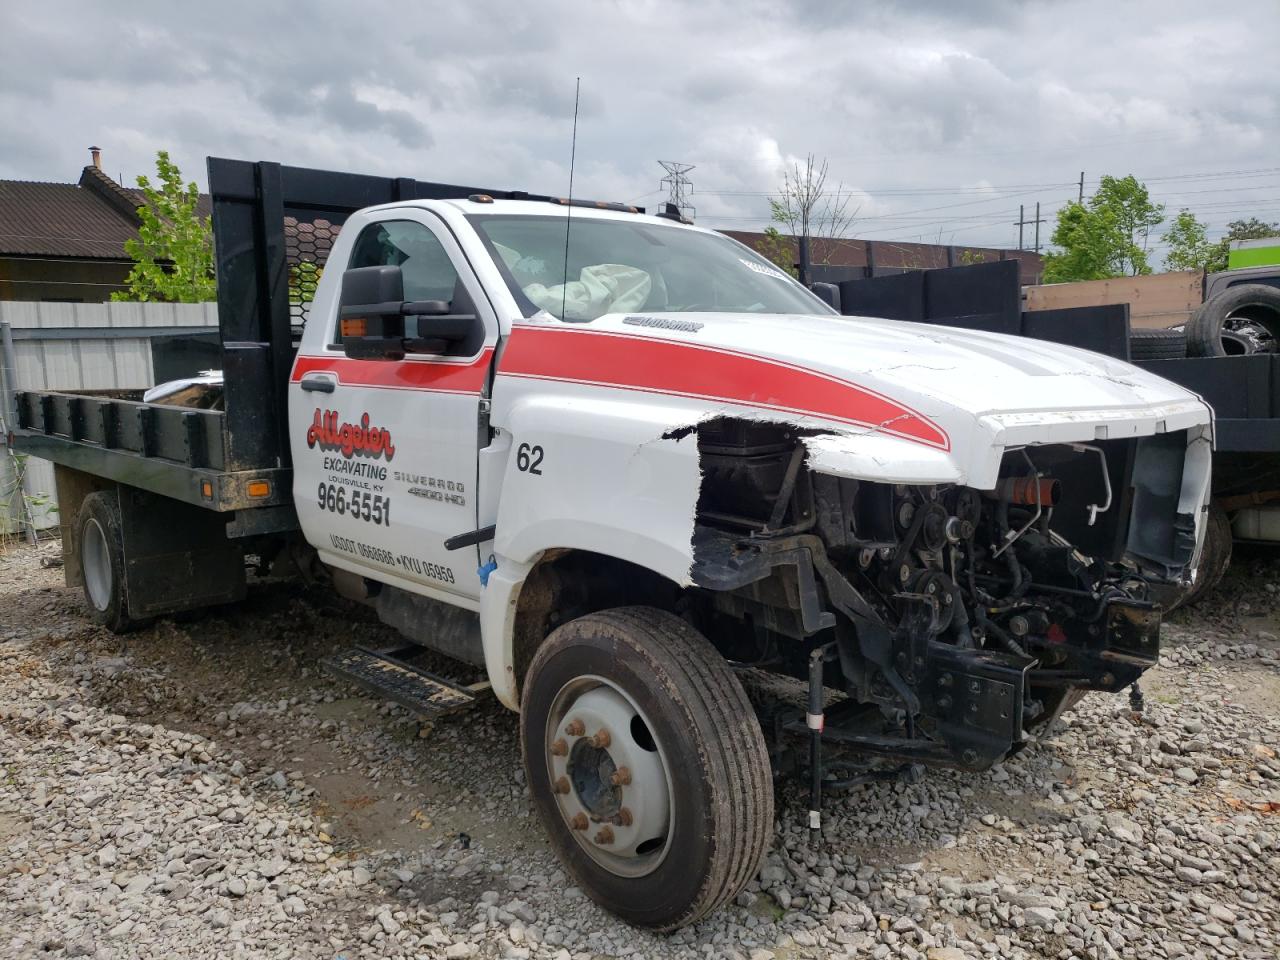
(84, 346)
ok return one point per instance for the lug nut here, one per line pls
(604, 835)
(579, 821)
(559, 748)
(575, 728)
(624, 817)
(621, 777)
(562, 785)
(601, 739)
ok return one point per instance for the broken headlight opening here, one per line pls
(937, 624)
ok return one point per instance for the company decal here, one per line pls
(349, 439)
(434, 488)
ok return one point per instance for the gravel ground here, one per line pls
(200, 789)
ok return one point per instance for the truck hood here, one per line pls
(954, 391)
(936, 369)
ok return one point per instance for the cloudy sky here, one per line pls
(940, 117)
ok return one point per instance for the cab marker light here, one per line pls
(257, 489)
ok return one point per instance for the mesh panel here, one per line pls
(307, 246)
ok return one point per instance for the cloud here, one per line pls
(941, 117)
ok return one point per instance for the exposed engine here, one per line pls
(952, 620)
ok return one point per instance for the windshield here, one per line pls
(617, 266)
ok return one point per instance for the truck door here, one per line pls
(386, 450)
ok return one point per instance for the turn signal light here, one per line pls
(206, 489)
(257, 489)
(355, 327)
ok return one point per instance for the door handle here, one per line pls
(319, 384)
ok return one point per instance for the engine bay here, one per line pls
(948, 622)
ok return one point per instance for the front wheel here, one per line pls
(647, 765)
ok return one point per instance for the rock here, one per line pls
(360, 876)
(294, 906)
(1044, 917)
(773, 873)
(1186, 774)
(108, 856)
(273, 868)
(945, 953)
(388, 923)
(278, 781)
(236, 887)
(459, 951)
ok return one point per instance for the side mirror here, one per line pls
(828, 293)
(372, 316)
(369, 317)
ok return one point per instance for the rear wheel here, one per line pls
(101, 550)
(647, 765)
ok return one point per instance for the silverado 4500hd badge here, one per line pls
(359, 440)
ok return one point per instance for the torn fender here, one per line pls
(609, 475)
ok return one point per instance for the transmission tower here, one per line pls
(679, 186)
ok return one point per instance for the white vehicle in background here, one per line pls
(628, 469)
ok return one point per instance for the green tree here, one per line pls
(1190, 249)
(779, 249)
(1189, 246)
(1106, 237)
(1129, 201)
(1091, 245)
(173, 252)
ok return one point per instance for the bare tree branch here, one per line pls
(808, 209)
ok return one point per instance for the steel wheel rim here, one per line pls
(614, 793)
(96, 564)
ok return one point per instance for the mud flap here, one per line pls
(176, 556)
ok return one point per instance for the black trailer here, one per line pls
(199, 489)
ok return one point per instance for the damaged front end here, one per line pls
(938, 623)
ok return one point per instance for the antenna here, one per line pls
(573, 156)
(679, 186)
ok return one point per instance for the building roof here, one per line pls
(60, 220)
(89, 219)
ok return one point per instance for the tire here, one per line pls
(100, 550)
(1255, 302)
(1215, 558)
(1157, 344)
(696, 747)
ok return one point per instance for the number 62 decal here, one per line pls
(529, 459)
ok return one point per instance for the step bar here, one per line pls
(386, 674)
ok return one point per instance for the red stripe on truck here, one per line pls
(435, 375)
(706, 373)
